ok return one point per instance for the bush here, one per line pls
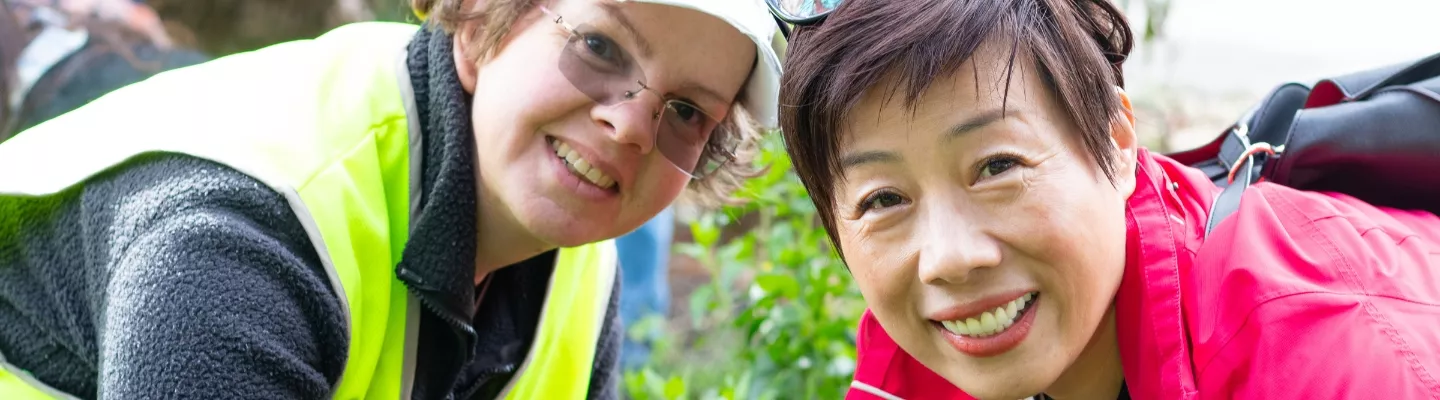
(777, 319)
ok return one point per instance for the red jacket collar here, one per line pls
(1165, 220)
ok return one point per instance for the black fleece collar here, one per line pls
(440, 256)
(438, 262)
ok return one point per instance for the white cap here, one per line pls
(752, 18)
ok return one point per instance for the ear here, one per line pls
(1122, 135)
(467, 67)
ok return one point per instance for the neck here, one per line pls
(501, 240)
(1097, 373)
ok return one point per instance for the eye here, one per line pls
(601, 48)
(687, 121)
(689, 113)
(879, 200)
(997, 165)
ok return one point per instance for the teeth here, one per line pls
(581, 166)
(957, 327)
(987, 323)
(990, 322)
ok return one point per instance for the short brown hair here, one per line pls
(495, 18)
(1077, 47)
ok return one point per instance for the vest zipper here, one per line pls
(421, 291)
(486, 377)
(459, 326)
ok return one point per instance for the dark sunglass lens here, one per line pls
(693, 141)
(681, 135)
(599, 68)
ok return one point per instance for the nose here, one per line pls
(631, 123)
(955, 248)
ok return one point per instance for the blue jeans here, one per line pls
(645, 285)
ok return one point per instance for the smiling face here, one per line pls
(987, 241)
(567, 169)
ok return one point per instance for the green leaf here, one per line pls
(654, 384)
(674, 388)
(784, 285)
(634, 385)
(706, 232)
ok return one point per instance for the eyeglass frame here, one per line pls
(725, 156)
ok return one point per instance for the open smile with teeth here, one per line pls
(581, 167)
(993, 321)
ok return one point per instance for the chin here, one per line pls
(995, 386)
(1016, 379)
(564, 228)
(1001, 393)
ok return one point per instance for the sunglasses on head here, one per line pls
(801, 12)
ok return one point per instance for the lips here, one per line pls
(991, 322)
(581, 167)
(989, 327)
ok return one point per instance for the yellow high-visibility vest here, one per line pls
(328, 124)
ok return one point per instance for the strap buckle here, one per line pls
(1246, 157)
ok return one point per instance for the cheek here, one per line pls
(520, 93)
(1075, 227)
(877, 262)
(660, 184)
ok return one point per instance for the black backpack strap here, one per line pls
(1244, 171)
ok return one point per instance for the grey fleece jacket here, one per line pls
(178, 278)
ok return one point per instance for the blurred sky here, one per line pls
(1250, 46)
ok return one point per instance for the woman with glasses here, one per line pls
(381, 212)
(975, 162)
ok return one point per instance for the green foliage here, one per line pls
(777, 319)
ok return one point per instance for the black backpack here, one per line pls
(1374, 135)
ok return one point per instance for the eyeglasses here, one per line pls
(802, 12)
(597, 66)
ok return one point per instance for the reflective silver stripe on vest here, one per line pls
(417, 138)
(313, 231)
(417, 167)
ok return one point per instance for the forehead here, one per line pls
(987, 81)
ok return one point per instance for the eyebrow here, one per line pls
(973, 124)
(867, 157)
(712, 94)
(955, 132)
(619, 15)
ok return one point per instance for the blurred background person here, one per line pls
(58, 56)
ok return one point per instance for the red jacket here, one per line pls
(1297, 295)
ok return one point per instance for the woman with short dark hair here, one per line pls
(976, 164)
